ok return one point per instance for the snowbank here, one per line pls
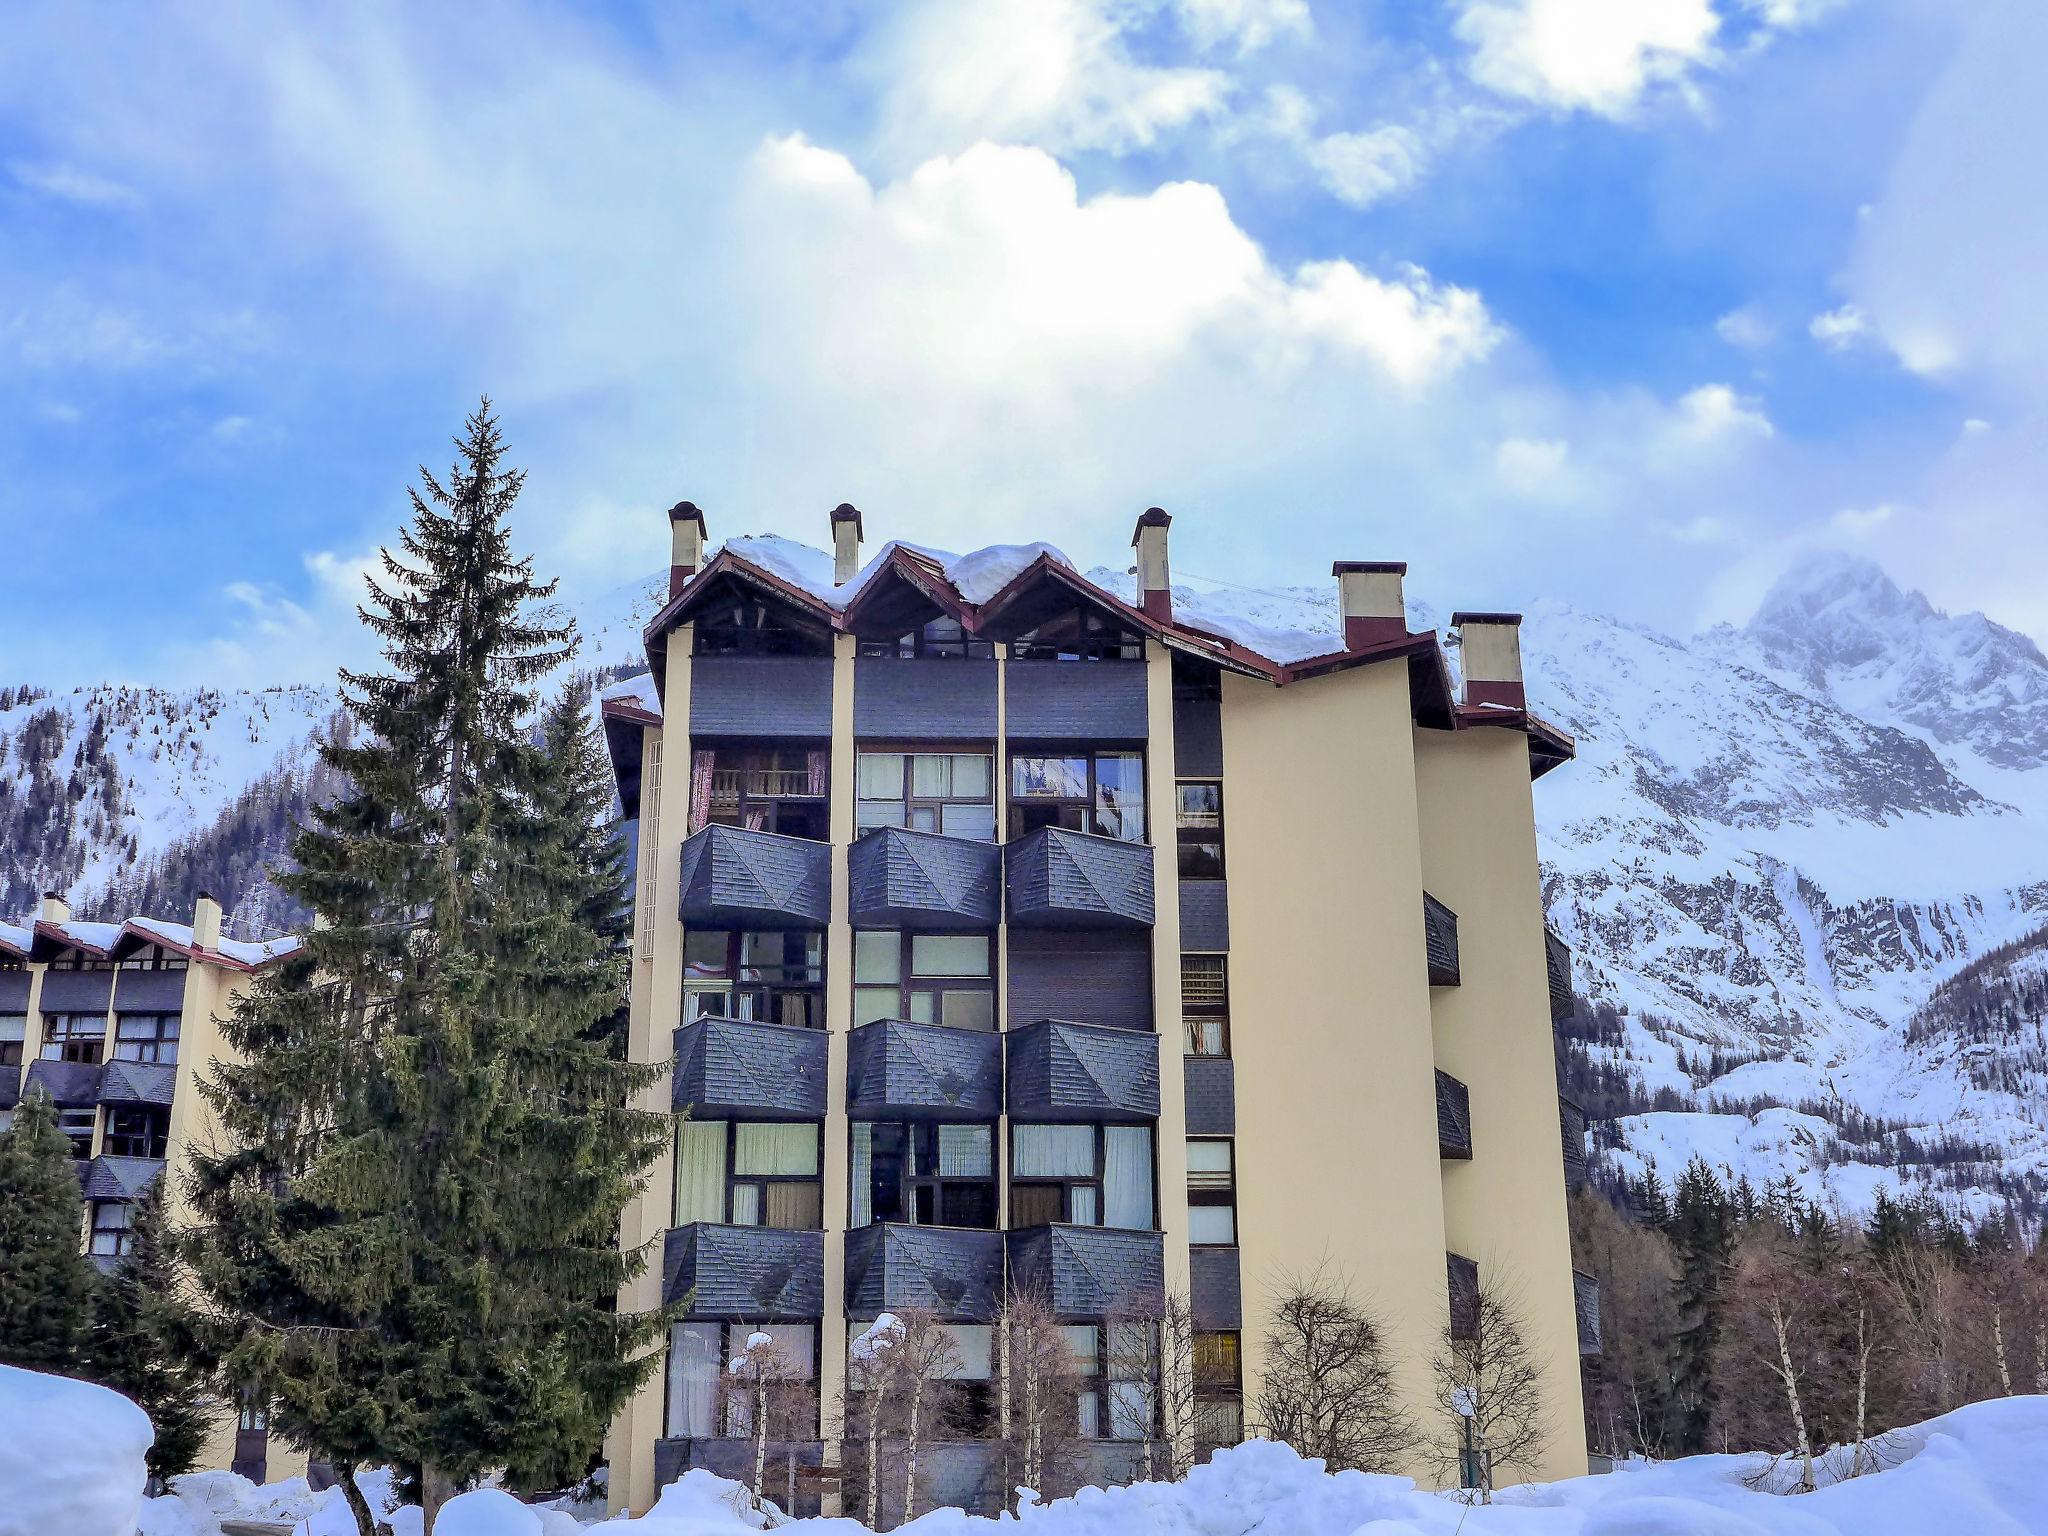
(1978, 1470)
(70, 1457)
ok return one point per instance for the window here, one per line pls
(1082, 635)
(941, 637)
(773, 1178)
(78, 1125)
(1085, 1175)
(1205, 1005)
(1219, 1390)
(949, 792)
(13, 1030)
(972, 1414)
(924, 1174)
(699, 1355)
(777, 977)
(75, 1037)
(1212, 1193)
(1099, 792)
(146, 1037)
(1198, 824)
(929, 978)
(764, 789)
(110, 1228)
(137, 1130)
(746, 626)
(79, 960)
(153, 957)
(1115, 1392)
(255, 1415)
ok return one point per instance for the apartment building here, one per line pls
(1008, 931)
(114, 1023)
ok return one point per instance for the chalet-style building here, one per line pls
(1005, 930)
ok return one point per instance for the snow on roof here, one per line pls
(637, 690)
(977, 575)
(92, 935)
(242, 951)
(16, 937)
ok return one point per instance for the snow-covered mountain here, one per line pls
(1777, 845)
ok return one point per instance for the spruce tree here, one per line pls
(46, 1281)
(432, 1144)
(1702, 1233)
(141, 1341)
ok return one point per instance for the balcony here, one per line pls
(736, 1068)
(745, 1274)
(1571, 1121)
(1558, 959)
(1586, 1303)
(119, 1178)
(897, 878)
(68, 1084)
(1453, 1119)
(1440, 939)
(896, 1069)
(1462, 1277)
(735, 878)
(1064, 1071)
(1088, 1272)
(1062, 879)
(137, 1082)
(956, 1272)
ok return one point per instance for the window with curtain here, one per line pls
(700, 1171)
(777, 977)
(13, 1032)
(923, 1174)
(1205, 1005)
(74, 1037)
(1198, 828)
(1219, 1391)
(931, 978)
(940, 637)
(775, 1176)
(146, 1037)
(798, 1343)
(1212, 1192)
(1099, 792)
(1084, 1341)
(696, 1360)
(111, 1221)
(947, 792)
(1086, 1175)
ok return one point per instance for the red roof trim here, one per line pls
(924, 576)
(56, 935)
(625, 709)
(133, 929)
(725, 562)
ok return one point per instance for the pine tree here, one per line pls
(141, 1341)
(46, 1281)
(1702, 1233)
(433, 1145)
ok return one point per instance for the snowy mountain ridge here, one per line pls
(1777, 842)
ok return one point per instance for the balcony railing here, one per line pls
(749, 1274)
(956, 1272)
(897, 878)
(899, 1069)
(1557, 957)
(738, 1067)
(1571, 1121)
(1061, 879)
(1065, 1071)
(736, 878)
(730, 785)
(1586, 1303)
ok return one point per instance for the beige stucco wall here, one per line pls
(1506, 1207)
(1330, 1013)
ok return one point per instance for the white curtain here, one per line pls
(693, 1371)
(1052, 1151)
(1127, 1177)
(863, 1174)
(773, 1148)
(965, 1152)
(700, 1171)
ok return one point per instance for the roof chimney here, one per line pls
(55, 909)
(1490, 655)
(846, 537)
(686, 544)
(1155, 584)
(206, 922)
(1369, 597)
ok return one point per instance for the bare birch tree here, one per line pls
(1328, 1387)
(767, 1396)
(1040, 1393)
(1487, 1381)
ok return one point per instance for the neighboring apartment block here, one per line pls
(115, 1023)
(1006, 931)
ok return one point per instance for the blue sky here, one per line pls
(1620, 302)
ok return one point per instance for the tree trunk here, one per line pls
(1862, 1389)
(1998, 1350)
(760, 1434)
(2040, 1358)
(366, 1522)
(874, 1454)
(1790, 1376)
(910, 1454)
(437, 1487)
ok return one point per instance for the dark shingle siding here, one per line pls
(1061, 879)
(1064, 1071)
(1210, 1084)
(1586, 1304)
(1099, 977)
(1075, 700)
(1089, 1271)
(953, 1271)
(1557, 956)
(753, 1274)
(120, 1178)
(1214, 1292)
(68, 1084)
(1462, 1280)
(901, 878)
(732, 877)
(1440, 936)
(924, 698)
(1204, 915)
(1197, 738)
(137, 1082)
(764, 1070)
(788, 696)
(894, 1066)
(1571, 1125)
(14, 991)
(149, 991)
(1453, 1118)
(76, 991)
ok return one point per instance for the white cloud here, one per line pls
(1247, 25)
(1531, 466)
(1748, 328)
(1704, 529)
(1859, 522)
(1362, 168)
(1601, 56)
(1714, 414)
(70, 184)
(231, 429)
(1840, 329)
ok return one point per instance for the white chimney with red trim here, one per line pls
(206, 923)
(1369, 597)
(1155, 582)
(686, 544)
(1490, 656)
(846, 540)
